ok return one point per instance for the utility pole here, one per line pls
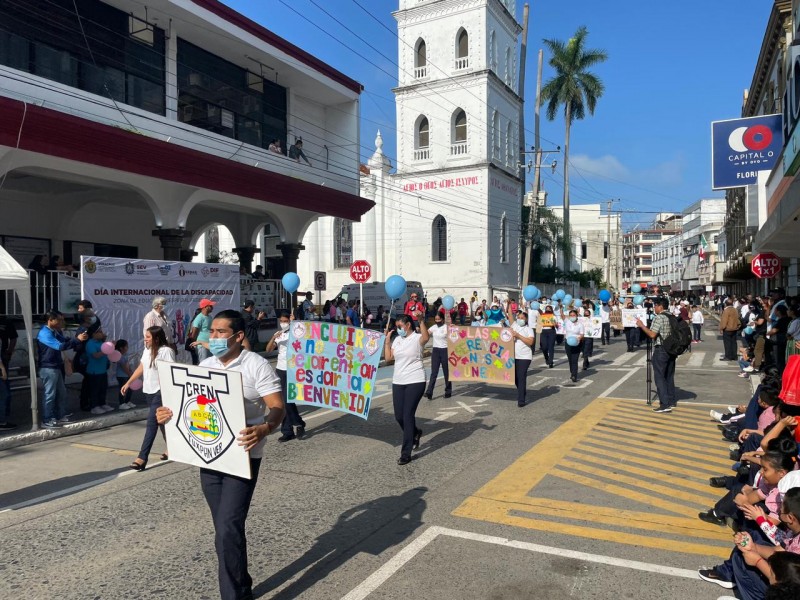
(532, 214)
(608, 240)
(523, 276)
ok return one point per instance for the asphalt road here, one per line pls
(584, 493)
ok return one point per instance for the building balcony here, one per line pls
(459, 149)
(462, 63)
(422, 154)
(421, 72)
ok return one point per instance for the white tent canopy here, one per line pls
(14, 277)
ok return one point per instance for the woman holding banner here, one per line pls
(292, 419)
(574, 333)
(408, 382)
(229, 496)
(523, 340)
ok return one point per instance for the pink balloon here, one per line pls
(136, 384)
(115, 356)
(107, 348)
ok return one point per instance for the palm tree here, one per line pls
(574, 87)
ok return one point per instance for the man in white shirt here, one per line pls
(158, 318)
(438, 333)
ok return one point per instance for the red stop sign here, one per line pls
(766, 265)
(360, 271)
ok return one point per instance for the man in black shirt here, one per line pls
(252, 322)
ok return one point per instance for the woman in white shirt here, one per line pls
(408, 382)
(573, 328)
(439, 357)
(292, 418)
(156, 349)
(697, 323)
(523, 340)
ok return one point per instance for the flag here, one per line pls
(703, 246)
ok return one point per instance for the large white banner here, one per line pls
(207, 416)
(122, 291)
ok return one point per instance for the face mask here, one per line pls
(402, 332)
(218, 346)
(521, 322)
(438, 323)
(573, 319)
(284, 326)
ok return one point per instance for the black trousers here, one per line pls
(97, 388)
(521, 379)
(292, 417)
(588, 348)
(664, 376)
(632, 337)
(229, 497)
(406, 399)
(439, 359)
(605, 334)
(729, 343)
(573, 353)
(548, 344)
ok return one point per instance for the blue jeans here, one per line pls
(664, 375)
(153, 403)
(55, 394)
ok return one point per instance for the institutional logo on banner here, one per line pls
(741, 148)
(332, 365)
(208, 414)
(481, 354)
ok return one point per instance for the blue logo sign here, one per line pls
(740, 148)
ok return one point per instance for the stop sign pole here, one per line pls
(360, 272)
(766, 265)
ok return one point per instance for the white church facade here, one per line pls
(449, 215)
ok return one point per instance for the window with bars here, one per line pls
(503, 238)
(439, 239)
(342, 243)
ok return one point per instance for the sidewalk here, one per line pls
(755, 378)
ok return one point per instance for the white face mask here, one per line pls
(521, 322)
(284, 326)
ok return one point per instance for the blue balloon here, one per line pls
(638, 300)
(604, 295)
(448, 302)
(290, 282)
(567, 299)
(538, 294)
(636, 288)
(572, 340)
(535, 306)
(559, 294)
(749, 330)
(395, 287)
(578, 303)
(529, 293)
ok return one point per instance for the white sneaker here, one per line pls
(64, 420)
(748, 369)
(131, 405)
(717, 416)
(97, 410)
(124, 406)
(107, 407)
(744, 375)
(732, 410)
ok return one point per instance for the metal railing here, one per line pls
(47, 290)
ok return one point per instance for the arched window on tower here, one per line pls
(503, 239)
(509, 67)
(422, 149)
(342, 243)
(462, 49)
(493, 52)
(509, 145)
(439, 239)
(496, 135)
(420, 60)
(458, 144)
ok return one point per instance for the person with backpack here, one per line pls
(667, 333)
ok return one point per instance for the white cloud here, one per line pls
(606, 166)
(668, 172)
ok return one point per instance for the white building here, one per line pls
(592, 248)
(668, 261)
(449, 216)
(701, 223)
(128, 130)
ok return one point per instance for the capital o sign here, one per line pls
(360, 271)
(766, 265)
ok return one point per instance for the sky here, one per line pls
(673, 67)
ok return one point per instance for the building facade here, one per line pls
(638, 248)
(128, 131)
(449, 215)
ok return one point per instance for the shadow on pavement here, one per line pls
(372, 527)
(42, 490)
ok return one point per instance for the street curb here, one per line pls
(100, 422)
(93, 424)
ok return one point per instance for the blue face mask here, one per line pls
(401, 332)
(218, 346)
(573, 319)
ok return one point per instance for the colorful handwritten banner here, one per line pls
(481, 354)
(333, 366)
(629, 316)
(593, 326)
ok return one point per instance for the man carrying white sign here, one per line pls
(229, 496)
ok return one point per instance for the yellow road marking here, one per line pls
(699, 426)
(624, 462)
(94, 448)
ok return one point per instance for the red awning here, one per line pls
(55, 133)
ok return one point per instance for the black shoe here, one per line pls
(662, 409)
(286, 437)
(417, 436)
(7, 426)
(731, 436)
(710, 517)
(743, 470)
(447, 394)
(735, 455)
(403, 460)
(429, 396)
(585, 366)
(300, 432)
(573, 378)
(521, 404)
(550, 365)
(712, 576)
(718, 482)
(137, 466)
